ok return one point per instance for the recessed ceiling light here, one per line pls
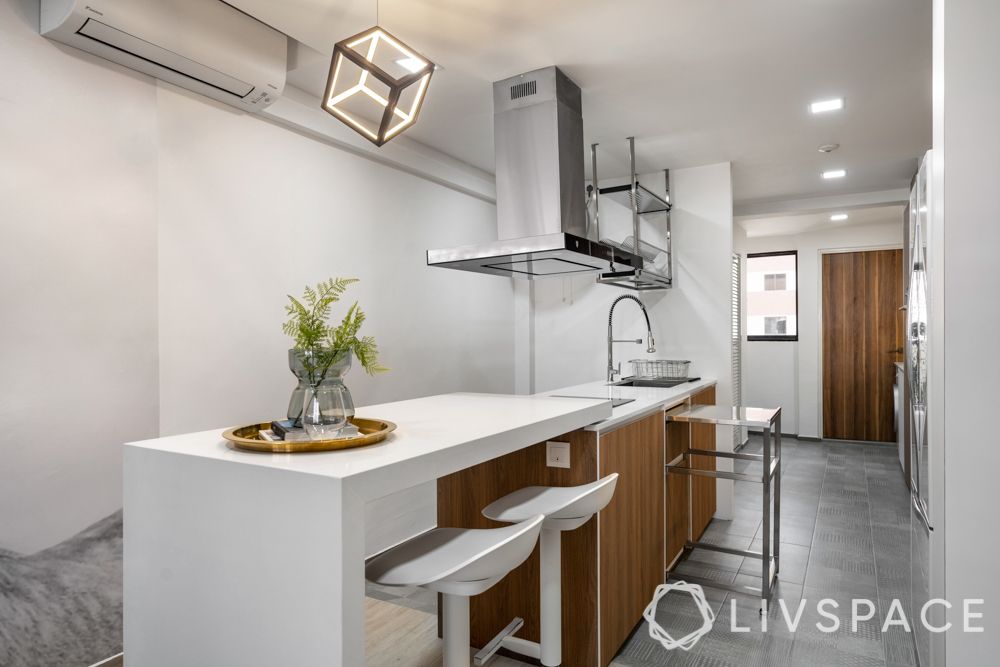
(828, 148)
(827, 105)
(838, 217)
(834, 173)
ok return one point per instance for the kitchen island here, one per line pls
(242, 558)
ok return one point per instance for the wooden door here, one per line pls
(862, 331)
(631, 529)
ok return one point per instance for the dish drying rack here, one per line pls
(657, 269)
(660, 369)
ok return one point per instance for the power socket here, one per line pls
(557, 454)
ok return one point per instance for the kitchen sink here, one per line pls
(650, 382)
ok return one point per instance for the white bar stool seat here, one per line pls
(458, 563)
(565, 508)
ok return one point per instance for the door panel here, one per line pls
(862, 328)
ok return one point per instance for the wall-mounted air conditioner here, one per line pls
(203, 45)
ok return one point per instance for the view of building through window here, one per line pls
(775, 282)
(772, 301)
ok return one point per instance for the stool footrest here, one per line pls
(487, 652)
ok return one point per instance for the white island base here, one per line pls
(240, 559)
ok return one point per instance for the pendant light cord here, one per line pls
(376, 13)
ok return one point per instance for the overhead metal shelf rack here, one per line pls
(657, 270)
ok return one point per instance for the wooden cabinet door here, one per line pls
(631, 528)
(702, 488)
(678, 441)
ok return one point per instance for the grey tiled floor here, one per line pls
(844, 535)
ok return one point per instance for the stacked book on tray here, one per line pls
(286, 431)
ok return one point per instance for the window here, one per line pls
(775, 326)
(772, 296)
(774, 282)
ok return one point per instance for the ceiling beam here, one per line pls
(301, 112)
(770, 208)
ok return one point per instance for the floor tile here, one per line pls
(845, 534)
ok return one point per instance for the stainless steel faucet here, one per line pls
(650, 348)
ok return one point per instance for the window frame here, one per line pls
(786, 338)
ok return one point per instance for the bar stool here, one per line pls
(458, 563)
(565, 508)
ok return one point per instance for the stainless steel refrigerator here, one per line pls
(921, 255)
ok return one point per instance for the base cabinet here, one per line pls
(702, 488)
(631, 539)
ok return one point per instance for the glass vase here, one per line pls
(321, 403)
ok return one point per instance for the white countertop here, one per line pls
(438, 435)
(435, 436)
(647, 399)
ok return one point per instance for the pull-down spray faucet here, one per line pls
(650, 348)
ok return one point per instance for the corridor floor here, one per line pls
(845, 534)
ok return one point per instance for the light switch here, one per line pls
(557, 454)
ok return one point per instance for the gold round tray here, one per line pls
(247, 437)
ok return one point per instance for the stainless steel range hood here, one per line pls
(541, 206)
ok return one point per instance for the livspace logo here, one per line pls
(864, 610)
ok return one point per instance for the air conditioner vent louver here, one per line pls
(519, 90)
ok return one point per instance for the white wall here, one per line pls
(966, 139)
(77, 283)
(151, 237)
(250, 212)
(690, 321)
(787, 374)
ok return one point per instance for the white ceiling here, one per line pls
(696, 82)
(786, 225)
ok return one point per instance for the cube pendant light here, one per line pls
(376, 84)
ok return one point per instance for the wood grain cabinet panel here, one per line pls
(461, 498)
(702, 488)
(631, 528)
(681, 437)
(678, 439)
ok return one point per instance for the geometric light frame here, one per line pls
(394, 119)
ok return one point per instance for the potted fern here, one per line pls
(321, 404)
